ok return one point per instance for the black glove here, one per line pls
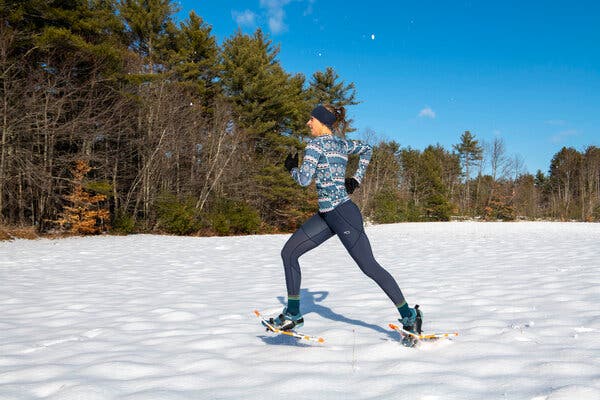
(351, 185)
(291, 162)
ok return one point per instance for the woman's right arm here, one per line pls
(305, 173)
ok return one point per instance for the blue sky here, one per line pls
(525, 71)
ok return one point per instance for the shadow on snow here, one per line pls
(310, 304)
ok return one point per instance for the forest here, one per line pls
(118, 118)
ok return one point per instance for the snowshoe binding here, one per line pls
(286, 321)
(413, 324)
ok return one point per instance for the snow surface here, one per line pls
(159, 317)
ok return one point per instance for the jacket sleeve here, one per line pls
(364, 152)
(305, 173)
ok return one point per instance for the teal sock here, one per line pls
(404, 310)
(293, 305)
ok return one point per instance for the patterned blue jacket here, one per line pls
(327, 156)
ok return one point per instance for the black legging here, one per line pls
(346, 222)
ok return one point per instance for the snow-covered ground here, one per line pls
(158, 317)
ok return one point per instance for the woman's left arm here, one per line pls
(364, 152)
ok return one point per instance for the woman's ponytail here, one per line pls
(340, 124)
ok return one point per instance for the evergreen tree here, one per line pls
(382, 176)
(437, 206)
(193, 60)
(270, 109)
(267, 100)
(147, 23)
(389, 207)
(542, 188)
(470, 153)
(327, 88)
(423, 174)
(58, 30)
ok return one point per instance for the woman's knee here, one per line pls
(286, 254)
(292, 250)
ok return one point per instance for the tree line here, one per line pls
(117, 117)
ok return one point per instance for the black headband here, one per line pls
(324, 116)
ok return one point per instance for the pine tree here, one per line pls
(437, 206)
(193, 60)
(57, 31)
(470, 153)
(424, 176)
(147, 22)
(267, 100)
(271, 110)
(327, 88)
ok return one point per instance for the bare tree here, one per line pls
(516, 167)
(565, 169)
(164, 131)
(383, 168)
(216, 152)
(590, 184)
(11, 82)
(499, 161)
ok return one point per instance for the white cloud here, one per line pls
(276, 24)
(427, 112)
(244, 18)
(272, 12)
(275, 14)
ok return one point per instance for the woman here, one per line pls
(325, 159)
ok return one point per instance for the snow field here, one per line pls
(159, 317)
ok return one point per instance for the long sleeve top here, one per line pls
(325, 159)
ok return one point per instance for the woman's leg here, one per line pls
(346, 221)
(311, 234)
